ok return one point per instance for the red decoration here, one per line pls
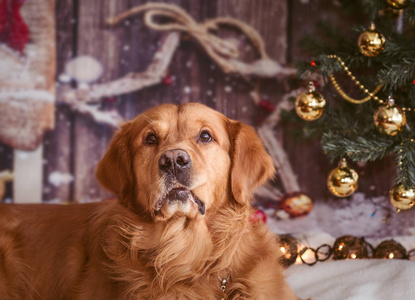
(266, 107)
(316, 84)
(168, 80)
(258, 216)
(13, 30)
(313, 63)
(413, 82)
(111, 99)
(296, 204)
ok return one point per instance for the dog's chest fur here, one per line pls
(124, 257)
(180, 259)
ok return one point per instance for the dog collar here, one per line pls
(223, 283)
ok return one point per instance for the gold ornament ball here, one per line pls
(309, 105)
(371, 42)
(397, 4)
(389, 119)
(342, 181)
(402, 198)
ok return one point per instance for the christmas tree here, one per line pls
(368, 87)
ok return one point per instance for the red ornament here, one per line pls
(316, 84)
(296, 204)
(13, 30)
(168, 80)
(258, 216)
(313, 63)
(266, 107)
(111, 99)
(413, 82)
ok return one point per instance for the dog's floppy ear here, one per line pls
(114, 171)
(251, 164)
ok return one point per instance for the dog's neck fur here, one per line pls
(179, 252)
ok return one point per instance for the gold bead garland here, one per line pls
(371, 95)
(350, 99)
(397, 191)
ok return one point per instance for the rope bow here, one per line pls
(223, 52)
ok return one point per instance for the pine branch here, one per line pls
(355, 147)
(347, 130)
(405, 160)
(398, 75)
(409, 12)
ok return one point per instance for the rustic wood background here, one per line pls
(78, 143)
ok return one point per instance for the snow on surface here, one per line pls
(371, 279)
(23, 94)
(357, 216)
(57, 178)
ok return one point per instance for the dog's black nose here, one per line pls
(174, 161)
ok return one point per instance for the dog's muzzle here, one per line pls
(175, 167)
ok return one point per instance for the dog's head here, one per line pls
(183, 161)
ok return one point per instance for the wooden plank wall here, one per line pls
(77, 143)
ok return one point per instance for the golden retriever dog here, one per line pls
(180, 229)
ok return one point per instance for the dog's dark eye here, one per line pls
(205, 137)
(151, 139)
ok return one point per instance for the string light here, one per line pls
(289, 250)
(350, 247)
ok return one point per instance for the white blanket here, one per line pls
(371, 279)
